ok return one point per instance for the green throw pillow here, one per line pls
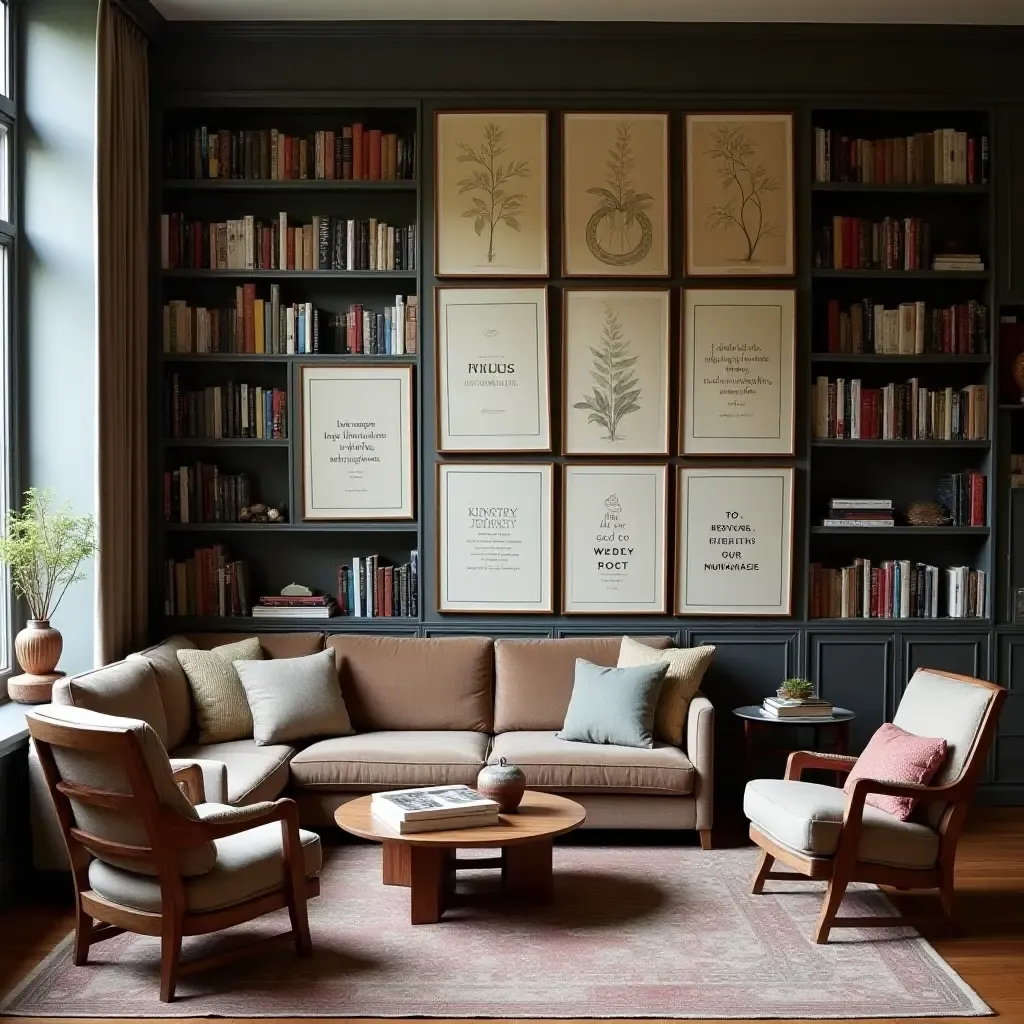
(613, 705)
(222, 712)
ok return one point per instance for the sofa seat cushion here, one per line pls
(254, 773)
(390, 760)
(564, 766)
(808, 818)
(248, 864)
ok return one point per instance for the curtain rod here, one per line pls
(144, 14)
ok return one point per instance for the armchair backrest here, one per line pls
(961, 710)
(112, 784)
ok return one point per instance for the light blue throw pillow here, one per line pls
(613, 705)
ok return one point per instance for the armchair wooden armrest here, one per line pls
(189, 778)
(886, 787)
(801, 759)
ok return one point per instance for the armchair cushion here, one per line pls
(248, 864)
(808, 818)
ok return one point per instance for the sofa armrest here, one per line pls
(215, 777)
(700, 748)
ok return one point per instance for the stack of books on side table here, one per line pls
(788, 707)
(433, 809)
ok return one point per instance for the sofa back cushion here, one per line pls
(125, 689)
(396, 683)
(533, 678)
(173, 686)
(273, 645)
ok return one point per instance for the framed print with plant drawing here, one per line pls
(491, 200)
(494, 537)
(739, 367)
(734, 541)
(357, 442)
(492, 369)
(614, 549)
(739, 195)
(615, 354)
(615, 195)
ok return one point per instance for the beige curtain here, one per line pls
(122, 143)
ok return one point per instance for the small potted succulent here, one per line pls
(796, 689)
(44, 549)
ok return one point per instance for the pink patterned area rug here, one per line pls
(633, 932)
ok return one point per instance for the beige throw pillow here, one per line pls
(222, 711)
(686, 668)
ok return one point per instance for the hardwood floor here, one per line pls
(988, 951)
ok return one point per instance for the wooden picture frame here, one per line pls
(614, 539)
(600, 328)
(495, 538)
(726, 518)
(616, 195)
(738, 371)
(478, 233)
(492, 384)
(356, 441)
(740, 194)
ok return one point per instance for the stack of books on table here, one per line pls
(857, 512)
(285, 606)
(958, 261)
(787, 707)
(433, 809)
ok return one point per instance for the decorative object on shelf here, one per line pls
(503, 782)
(492, 386)
(44, 549)
(734, 544)
(739, 367)
(615, 370)
(495, 537)
(491, 197)
(260, 513)
(926, 513)
(614, 542)
(739, 195)
(615, 195)
(357, 442)
(795, 689)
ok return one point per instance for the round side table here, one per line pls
(756, 720)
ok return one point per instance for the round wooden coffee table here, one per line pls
(426, 861)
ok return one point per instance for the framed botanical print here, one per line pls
(615, 372)
(739, 371)
(491, 199)
(614, 544)
(615, 195)
(492, 369)
(357, 442)
(494, 537)
(739, 195)
(734, 543)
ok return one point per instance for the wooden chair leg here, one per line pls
(705, 838)
(764, 865)
(830, 907)
(170, 954)
(947, 897)
(296, 884)
(83, 935)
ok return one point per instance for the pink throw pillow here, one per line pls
(895, 755)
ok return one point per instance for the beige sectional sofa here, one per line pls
(425, 711)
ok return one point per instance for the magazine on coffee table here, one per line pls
(429, 802)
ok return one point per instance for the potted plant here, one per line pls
(44, 548)
(796, 689)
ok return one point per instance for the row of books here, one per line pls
(265, 154)
(856, 243)
(228, 410)
(791, 707)
(393, 332)
(846, 409)
(911, 328)
(859, 512)
(964, 496)
(433, 809)
(944, 156)
(370, 589)
(202, 493)
(207, 583)
(325, 243)
(897, 589)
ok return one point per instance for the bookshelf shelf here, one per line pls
(839, 442)
(264, 357)
(334, 624)
(292, 185)
(377, 526)
(293, 275)
(917, 620)
(957, 191)
(225, 442)
(902, 275)
(904, 531)
(1011, 406)
(876, 359)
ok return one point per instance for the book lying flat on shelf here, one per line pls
(784, 707)
(433, 809)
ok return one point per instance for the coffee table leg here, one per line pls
(429, 883)
(526, 870)
(395, 862)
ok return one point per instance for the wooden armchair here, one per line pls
(145, 860)
(821, 833)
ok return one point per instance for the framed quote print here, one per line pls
(615, 195)
(739, 195)
(614, 540)
(492, 369)
(739, 369)
(615, 353)
(494, 543)
(491, 199)
(734, 544)
(357, 442)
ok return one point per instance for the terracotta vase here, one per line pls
(38, 647)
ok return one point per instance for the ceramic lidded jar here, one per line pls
(502, 782)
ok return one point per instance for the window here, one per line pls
(8, 252)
